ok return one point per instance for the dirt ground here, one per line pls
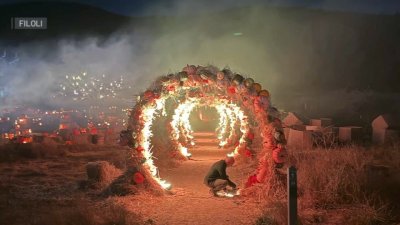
(44, 191)
(190, 201)
(53, 190)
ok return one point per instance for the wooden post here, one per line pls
(292, 195)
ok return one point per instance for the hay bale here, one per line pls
(101, 172)
(125, 184)
(121, 186)
(292, 119)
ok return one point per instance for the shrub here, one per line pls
(274, 214)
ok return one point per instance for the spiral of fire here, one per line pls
(237, 101)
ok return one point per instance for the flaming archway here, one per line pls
(237, 101)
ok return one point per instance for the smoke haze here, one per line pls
(300, 56)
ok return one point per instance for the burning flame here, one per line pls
(223, 124)
(181, 125)
(231, 115)
(244, 128)
(148, 114)
(228, 194)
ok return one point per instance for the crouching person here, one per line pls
(217, 179)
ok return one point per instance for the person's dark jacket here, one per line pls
(218, 171)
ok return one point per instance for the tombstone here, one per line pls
(299, 127)
(385, 129)
(350, 134)
(300, 139)
(292, 119)
(286, 131)
(322, 122)
(334, 130)
(376, 175)
(313, 128)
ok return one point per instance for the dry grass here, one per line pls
(164, 151)
(79, 211)
(274, 214)
(43, 188)
(346, 185)
(11, 152)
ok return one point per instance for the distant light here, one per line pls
(238, 34)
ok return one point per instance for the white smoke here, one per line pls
(269, 45)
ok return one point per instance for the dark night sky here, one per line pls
(157, 7)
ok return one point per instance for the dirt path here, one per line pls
(191, 202)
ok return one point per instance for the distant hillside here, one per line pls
(64, 19)
(316, 49)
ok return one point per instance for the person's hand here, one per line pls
(231, 184)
